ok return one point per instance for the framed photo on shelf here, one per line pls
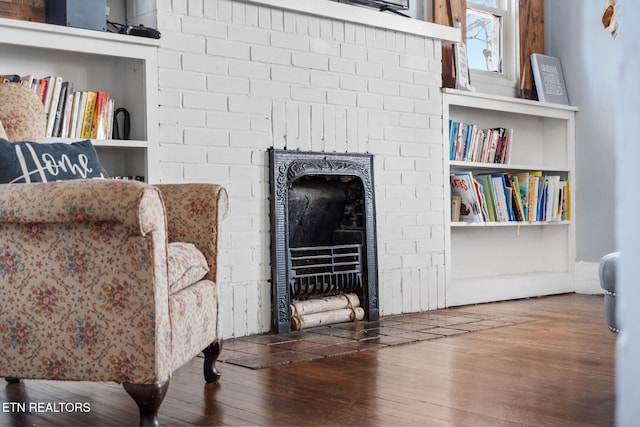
(461, 62)
(549, 79)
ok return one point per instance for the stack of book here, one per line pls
(469, 143)
(501, 197)
(70, 113)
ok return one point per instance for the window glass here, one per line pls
(484, 44)
(490, 3)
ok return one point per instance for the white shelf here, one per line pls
(508, 224)
(125, 66)
(117, 143)
(496, 261)
(487, 101)
(112, 143)
(500, 167)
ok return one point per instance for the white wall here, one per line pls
(574, 33)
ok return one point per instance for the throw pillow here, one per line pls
(186, 265)
(23, 162)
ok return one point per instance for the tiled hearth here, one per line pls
(262, 351)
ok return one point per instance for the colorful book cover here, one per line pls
(462, 185)
(500, 196)
(99, 124)
(534, 193)
(523, 186)
(518, 208)
(485, 182)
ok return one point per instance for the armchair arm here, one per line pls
(93, 200)
(83, 264)
(194, 213)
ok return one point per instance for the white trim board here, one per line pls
(361, 15)
(586, 278)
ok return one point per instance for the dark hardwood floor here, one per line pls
(555, 370)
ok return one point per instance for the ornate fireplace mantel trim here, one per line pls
(288, 166)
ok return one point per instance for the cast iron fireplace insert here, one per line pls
(323, 231)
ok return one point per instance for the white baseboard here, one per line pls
(586, 278)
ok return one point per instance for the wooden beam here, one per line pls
(531, 41)
(452, 13)
(25, 10)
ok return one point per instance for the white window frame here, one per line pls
(506, 82)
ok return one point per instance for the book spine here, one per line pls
(53, 106)
(74, 115)
(99, 125)
(89, 110)
(42, 89)
(66, 115)
(55, 131)
(110, 112)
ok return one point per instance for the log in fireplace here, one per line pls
(323, 235)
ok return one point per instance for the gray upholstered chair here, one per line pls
(607, 274)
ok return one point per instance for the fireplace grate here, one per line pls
(325, 270)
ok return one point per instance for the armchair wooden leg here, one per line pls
(148, 397)
(211, 353)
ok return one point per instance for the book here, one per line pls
(56, 87)
(57, 120)
(567, 208)
(481, 200)
(10, 78)
(47, 96)
(549, 79)
(29, 81)
(501, 197)
(42, 89)
(66, 114)
(462, 185)
(485, 182)
(100, 117)
(518, 207)
(469, 143)
(553, 198)
(110, 115)
(534, 192)
(455, 208)
(89, 110)
(79, 119)
(523, 189)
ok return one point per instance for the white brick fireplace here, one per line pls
(239, 77)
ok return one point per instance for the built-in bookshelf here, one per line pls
(490, 260)
(123, 66)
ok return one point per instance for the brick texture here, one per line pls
(237, 79)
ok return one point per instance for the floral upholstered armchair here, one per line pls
(102, 281)
(109, 280)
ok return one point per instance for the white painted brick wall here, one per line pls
(237, 79)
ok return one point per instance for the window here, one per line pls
(492, 41)
(485, 35)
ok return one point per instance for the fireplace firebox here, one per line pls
(323, 241)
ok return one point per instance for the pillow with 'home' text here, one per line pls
(24, 162)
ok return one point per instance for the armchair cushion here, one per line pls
(22, 113)
(186, 265)
(22, 162)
